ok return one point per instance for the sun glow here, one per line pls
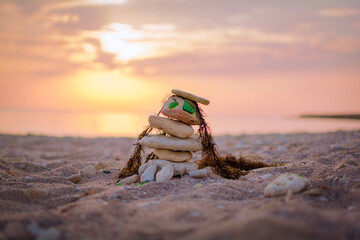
(115, 91)
(125, 42)
(110, 86)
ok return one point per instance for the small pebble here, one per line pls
(100, 165)
(195, 214)
(269, 175)
(199, 173)
(28, 178)
(89, 170)
(74, 178)
(313, 192)
(15, 230)
(285, 182)
(42, 234)
(220, 206)
(323, 199)
(149, 173)
(340, 165)
(128, 180)
(281, 149)
(106, 171)
(36, 193)
(337, 147)
(351, 208)
(198, 185)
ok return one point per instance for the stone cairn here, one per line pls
(174, 146)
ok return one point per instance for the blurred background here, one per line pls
(100, 67)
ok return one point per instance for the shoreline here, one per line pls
(215, 136)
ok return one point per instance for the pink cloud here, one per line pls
(339, 12)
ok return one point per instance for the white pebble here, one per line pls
(132, 179)
(285, 182)
(89, 170)
(199, 173)
(149, 174)
(74, 178)
(281, 149)
(269, 175)
(165, 174)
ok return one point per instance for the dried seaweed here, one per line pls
(134, 162)
(151, 156)
(227, 166)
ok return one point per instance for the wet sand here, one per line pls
(36, 202)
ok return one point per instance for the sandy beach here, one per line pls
(36, 202)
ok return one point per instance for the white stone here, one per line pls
(340, 165)
(171, 127)
(132, 179)
(89, 170)
(285, 182)
(34, 193)
(42, 234)
(149, 173)
(174, 156)
(179, 168)
(199, 173)
(100, 165)
(148, 170)
(171, 143)
(165, 174)
(281, 149)
(74, 178)
(142, 168)
(266, 176)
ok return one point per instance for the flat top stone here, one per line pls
(190, 96)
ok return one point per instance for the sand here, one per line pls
(37, 203)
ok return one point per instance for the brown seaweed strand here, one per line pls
(134, 162)
(227, 166)
(210, 156)
(151, 156)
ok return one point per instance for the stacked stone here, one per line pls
(174, 150)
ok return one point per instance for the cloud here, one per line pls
(240, 35)
(339, 12)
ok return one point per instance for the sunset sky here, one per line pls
(100, 67)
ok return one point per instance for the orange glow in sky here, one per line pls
(100, 67)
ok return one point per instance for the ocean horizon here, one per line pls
(118, 124)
